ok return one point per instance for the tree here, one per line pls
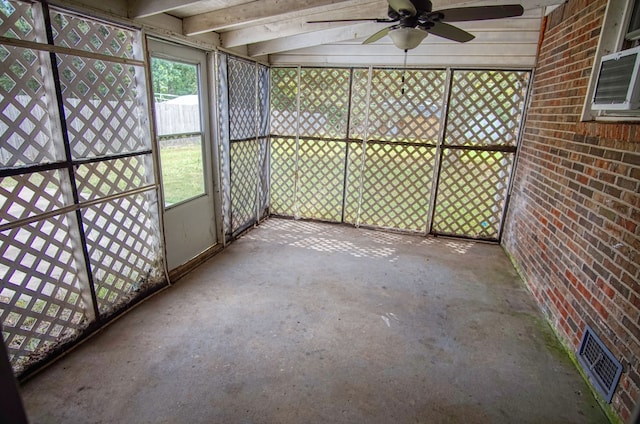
(173, 78)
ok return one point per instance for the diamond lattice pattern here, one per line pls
(41, 304)
(486, 107)
(472, 193)
(29, 195)
(245, 157)
(263, 101)
(284, 106)
(102, 110)
(16, 20)
(82, 34)
(123, 248)
(242, 99)
(321, 179)
(408, 111)
(105, 178)
(324, 102)
(396, 186)
(25, 117)
(263, 169)
(283, 174)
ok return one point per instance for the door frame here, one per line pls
(207, 92)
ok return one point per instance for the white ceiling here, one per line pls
(277, 31)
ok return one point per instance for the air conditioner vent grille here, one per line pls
(613, 84)
(617, 85)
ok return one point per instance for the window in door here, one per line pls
(177, 106)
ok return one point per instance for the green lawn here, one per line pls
(182, 172)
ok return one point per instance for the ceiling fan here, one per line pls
(415, 20)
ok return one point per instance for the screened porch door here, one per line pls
(180, 95)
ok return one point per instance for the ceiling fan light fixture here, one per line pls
(407, 38)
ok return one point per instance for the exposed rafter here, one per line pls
(144, 8)
(529, 22)
(295, 26)
(248, 13)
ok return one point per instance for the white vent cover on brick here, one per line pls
(618, 87)
(599, 363)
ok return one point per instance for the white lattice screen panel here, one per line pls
(244, 144)
(244, 182)
(49, 259)
(472, 193)
(109, 177)
(321, 179)
(124, 249)
(263, 101)
(70, 30)
(26, 135)
(486, 107)
(242, 99)
(102, 107)
(41, 304)
(263, 183)
(396, 187)
(17, 20)
(396, 137)
(284, 101)
(28, 195)
(283, 174)
(324, 102)
(398, 111)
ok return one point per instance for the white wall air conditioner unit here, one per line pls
(618, 87)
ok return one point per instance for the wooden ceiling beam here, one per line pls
(249, 13)
(144, 8)
(299, 25)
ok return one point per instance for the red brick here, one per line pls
(577, 229)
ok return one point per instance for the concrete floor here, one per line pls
(302, 322)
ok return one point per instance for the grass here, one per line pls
(182, 173)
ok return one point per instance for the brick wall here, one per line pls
(573, 226)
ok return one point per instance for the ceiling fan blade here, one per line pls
(450, 32)
(354, 20)
(480, 13)
(403, 5)
(378, 35)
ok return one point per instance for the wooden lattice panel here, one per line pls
(40, 301)
(25, 111)
(17, 20)
(396, 186)
(408, 111)
(29, 195)
(79, 33)
(320, 185)
(242, 99)
(324, 102)
(283, 174)
(124, 249)
(102, 110)
(102, 179)
(472, 191)
(486, 107)
(284, 106)
(245, 156)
